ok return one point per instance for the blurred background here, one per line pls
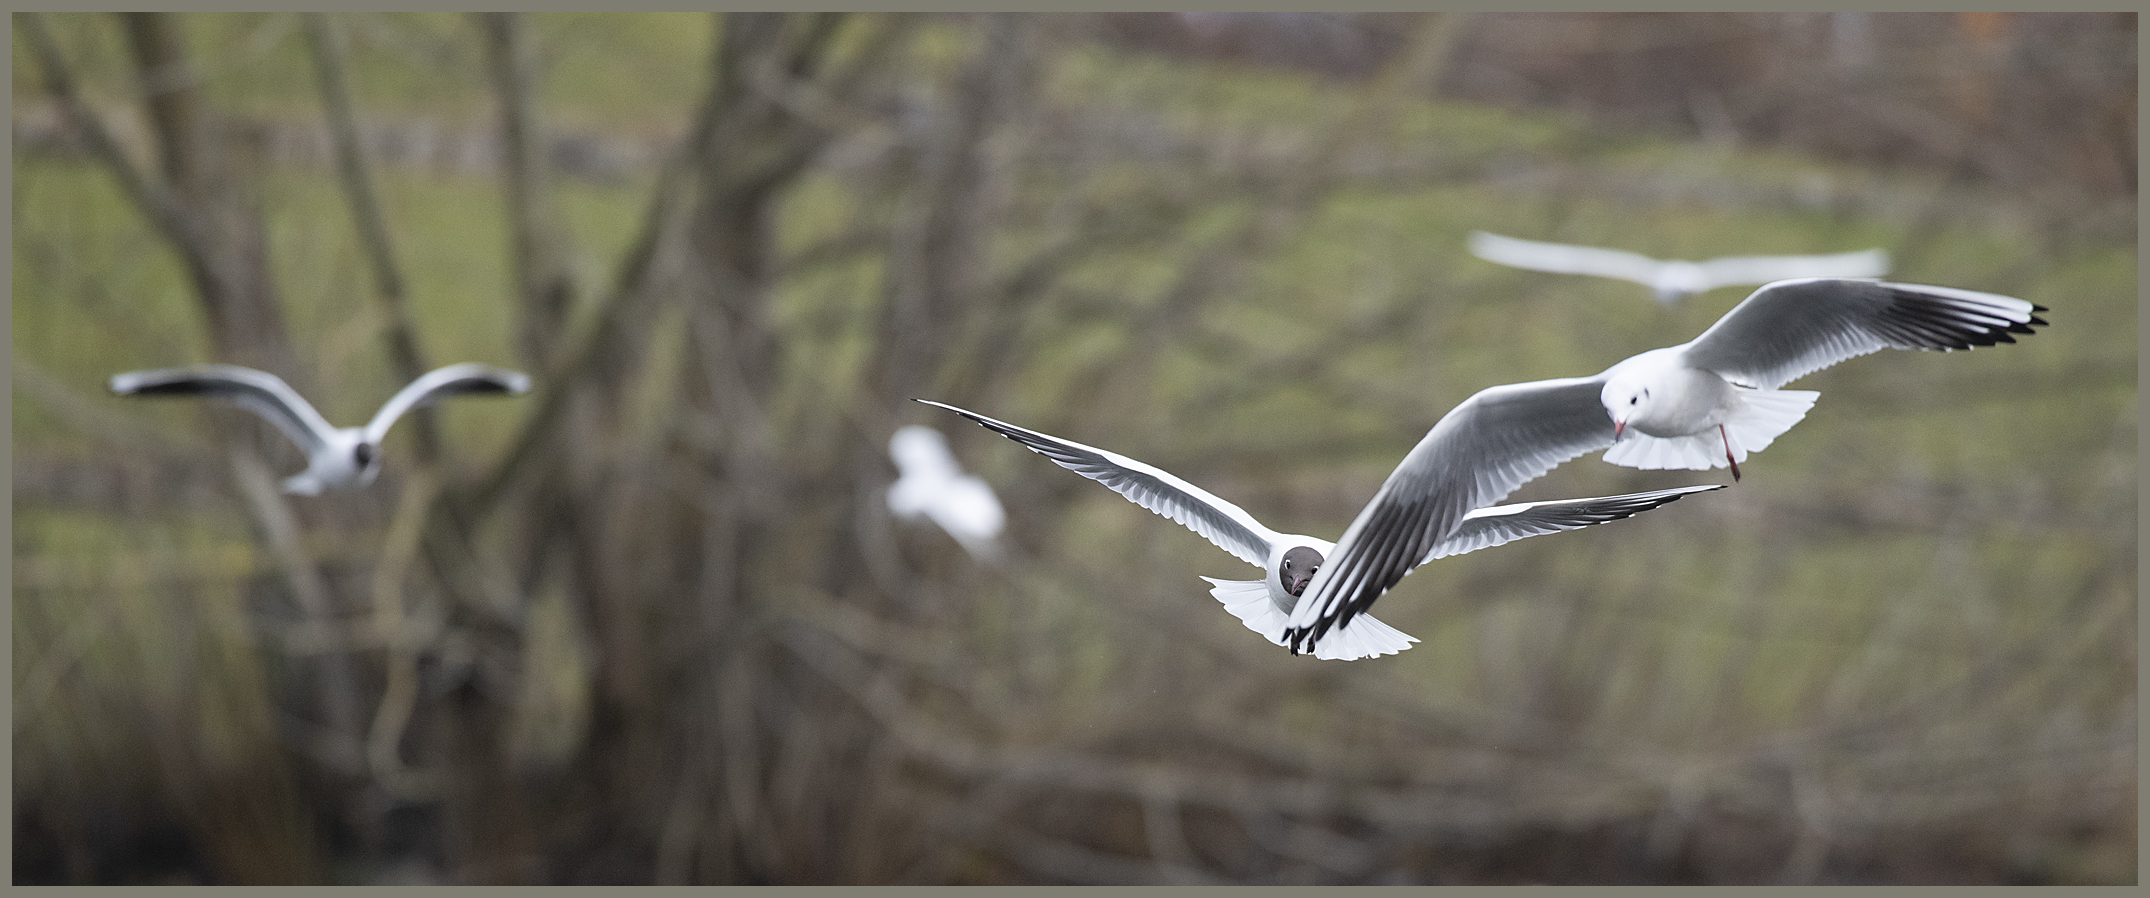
(653, 622)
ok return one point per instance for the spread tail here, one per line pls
(1364, 637)
(1763, 416)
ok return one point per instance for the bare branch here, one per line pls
(106, 426)
(663, 219)
(281, 530)
(541, 276)
(228, 255)
(154, 199)
(399, 695)
(372, 226)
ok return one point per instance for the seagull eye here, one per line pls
(363, 453)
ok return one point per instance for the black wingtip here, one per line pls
(942, 405)
(164, 388)
(486, 388)
(1310, 634)
(945, 406)
(1675, 497)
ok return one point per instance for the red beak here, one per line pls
(1618, 428)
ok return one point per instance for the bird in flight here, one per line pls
(1673, 279)
(336, 457)
(931, 485)
(1290, 561)
(1700, 405)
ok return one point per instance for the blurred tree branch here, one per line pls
(399, 691)
(202, 210)
(227, 253)
(113, 429)
(1280, 206)
(154, 199)
(311, 593)
(538, 246)
(405, 352)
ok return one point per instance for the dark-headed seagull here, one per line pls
(1702, 404)
(1292, 561)
(931, 485)
(336, 457)
(1672, 279)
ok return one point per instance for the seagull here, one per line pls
(1291, 561)
(1700, 405)
(932, 485)
(1665, 403)
(1673, 279)
(336, 457)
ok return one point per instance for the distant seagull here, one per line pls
(1290, 561)
(1675, 278)
(932, 485)
(1662, 407)
(336, 457)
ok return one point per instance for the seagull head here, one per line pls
(346, 460)
(368, 458)
(1625, 400)
(1297, 569)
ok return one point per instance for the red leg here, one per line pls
(1728, 453)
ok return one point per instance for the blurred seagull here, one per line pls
(1663, 406)
(932, 485)
(337, 457)
(1673, 279)
(1291, 561)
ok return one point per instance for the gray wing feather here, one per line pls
(1792, 328)
(1483, 449)
(1218, 521)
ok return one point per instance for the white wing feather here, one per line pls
(1220, 522)
(440, 383)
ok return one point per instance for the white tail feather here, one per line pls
(1364, 637)
(1697, 452)
(1763, 416)
(1248, 600)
